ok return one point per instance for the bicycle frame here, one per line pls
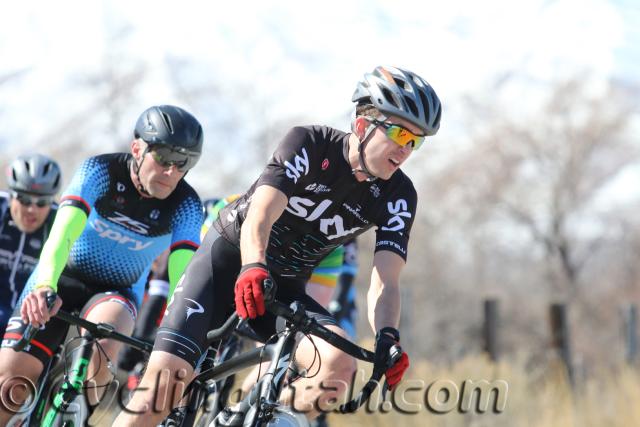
(74, 381)
(261, 404)
(72, 386)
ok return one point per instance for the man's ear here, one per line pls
(360, 126)
(136, 149)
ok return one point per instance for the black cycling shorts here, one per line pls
(204, 299)
(76, 296)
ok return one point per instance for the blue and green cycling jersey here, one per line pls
(107, 235)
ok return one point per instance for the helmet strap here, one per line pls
(136, 169)
(363, 166)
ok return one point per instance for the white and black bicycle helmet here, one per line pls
(401, 93)
(35, 174)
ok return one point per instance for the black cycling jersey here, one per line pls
(19, 254)
(327, 205)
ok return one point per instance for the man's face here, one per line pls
(382, 155)
(29, 211)
(159, 181)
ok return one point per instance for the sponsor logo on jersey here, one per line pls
(128, 223)
(356, 212)
(120, 187)
(154, 214)
(105, 231)
(35, 243)
(399, 210)
(299, 167)
(14, 323)
(389, 243)
(325, 164)
(375, 190)
(332, 228)
(318, 188)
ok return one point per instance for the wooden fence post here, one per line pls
(491, 321)
(560, 336)
(631, 333)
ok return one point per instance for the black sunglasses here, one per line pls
(28, 200)
(166, 157)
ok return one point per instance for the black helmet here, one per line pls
(173, 128)
(35, 174)
(403, 94)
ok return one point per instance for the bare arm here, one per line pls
(267, 204)
(383, 298)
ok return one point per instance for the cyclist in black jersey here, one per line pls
(321, 188)
(26, 216)
(117, 215)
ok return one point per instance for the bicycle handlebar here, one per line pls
(296, 315)
(97, 330)
(30, 331)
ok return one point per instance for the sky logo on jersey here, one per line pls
(298, 207)
(107, 232)
(301, 166)
(399, 209)
(130, 224)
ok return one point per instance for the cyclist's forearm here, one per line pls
(177, 263)
(267, 204)
(66, 229)
(383, 305)
(383, 298)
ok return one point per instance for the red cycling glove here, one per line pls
(386, 347)
(248, 291)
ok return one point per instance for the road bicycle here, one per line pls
(261, 406)
(61, 408)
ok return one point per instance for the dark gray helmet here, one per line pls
(35, 174)
(403, 94)
(172, 127)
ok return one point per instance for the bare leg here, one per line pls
(118, 316)
(159, 391)
(19, 373)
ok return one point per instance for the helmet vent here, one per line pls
(437, 120)
(47, 167)
(167, 121)
(401, 83)
(412, 106)
(425, 103)
(389, 97)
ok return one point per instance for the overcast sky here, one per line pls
(300, 58)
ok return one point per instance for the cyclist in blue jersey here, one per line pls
(321, 188)
(117, 215)
(26, 216)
